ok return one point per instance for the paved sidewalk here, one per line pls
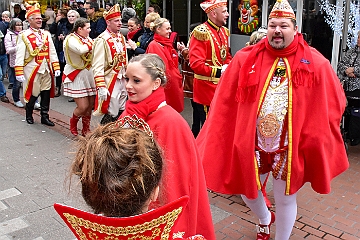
(34, 161)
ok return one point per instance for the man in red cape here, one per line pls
(209, 55)
(275, 112)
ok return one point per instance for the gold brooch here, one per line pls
(269, 126)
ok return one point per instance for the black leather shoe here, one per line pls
(30, 120)
(47, 122)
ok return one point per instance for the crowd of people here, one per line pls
(267, 109)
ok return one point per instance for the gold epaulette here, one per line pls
(227, 31)
(201, 33)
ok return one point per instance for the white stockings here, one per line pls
(286, 209)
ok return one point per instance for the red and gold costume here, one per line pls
(37, 60)
(36, 64)
(314, 147)
(78, 76)
(108, 63)
(208, 52)
(183, 173)
(173, 90)
(155, 224)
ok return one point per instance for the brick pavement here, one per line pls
(34, 160)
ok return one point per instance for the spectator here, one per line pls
(19, 13)
(108, 5)
(127, 13)
(15, 27)
(61, 28)
(3, 56)
(76, 6)
(50, 14)
(134, 34)
(154, 8)
(97, 22)
(146, 37)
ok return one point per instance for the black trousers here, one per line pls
(199, 116)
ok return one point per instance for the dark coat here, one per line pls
(62, 27)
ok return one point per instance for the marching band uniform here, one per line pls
(109, 60)
(36, 64)
(78, 77)
(209, 51)
(208, 56)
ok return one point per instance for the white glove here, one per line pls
(20, 78)
(103, 93)
(57, 73)
(223, 68)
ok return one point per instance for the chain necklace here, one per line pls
(222, 48)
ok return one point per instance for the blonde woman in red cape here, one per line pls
(163, 46)
(278, 111)
(183, 172)
(78, 77)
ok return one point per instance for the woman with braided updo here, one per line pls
(78, 76)
(183, 172)
(163, 46)
(119, 170)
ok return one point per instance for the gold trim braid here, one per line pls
(201, 33)
(168, 219)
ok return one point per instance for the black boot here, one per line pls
(29, 110)
(44, 108)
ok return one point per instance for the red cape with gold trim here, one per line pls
(155, 224)
(227, 141)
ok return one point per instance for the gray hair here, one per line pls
(77, 15)
(153, 65)
(13, 22)
(7, 13)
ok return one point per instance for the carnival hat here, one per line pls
(210, 5)
(32, 10)
(114, 12)
(282, 9)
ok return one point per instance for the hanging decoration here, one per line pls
(248, 20)
(334, 16)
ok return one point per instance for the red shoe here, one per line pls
(263, 231)
(73, 124)
(86, 125)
